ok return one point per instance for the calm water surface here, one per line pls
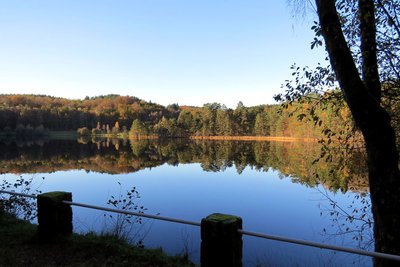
(272, 186)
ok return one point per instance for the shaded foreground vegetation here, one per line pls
(292, 159)
(20, 246)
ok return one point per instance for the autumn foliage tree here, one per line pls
(362, 42)
(361, 87)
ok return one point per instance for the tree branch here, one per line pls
(394, 20)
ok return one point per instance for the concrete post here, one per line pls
(221, 244)
(54, 217)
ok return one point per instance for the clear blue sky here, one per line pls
(188, 52)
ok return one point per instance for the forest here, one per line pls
(24, 115)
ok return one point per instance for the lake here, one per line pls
(276, 187)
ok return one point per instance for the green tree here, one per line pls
(209, 112)
(223, 122)
(185, 122)
(243, 122)
(167, 128)
(138, 129)
(261, 124)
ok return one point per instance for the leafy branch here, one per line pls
(122, 226)
(19, 206)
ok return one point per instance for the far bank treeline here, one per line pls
(114, 114)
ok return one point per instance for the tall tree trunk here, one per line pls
(363, 99)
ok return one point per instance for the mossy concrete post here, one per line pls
(54, 217)
(221, 243)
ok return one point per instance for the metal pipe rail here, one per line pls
(248, 233)
(156, 217)
(323, 246)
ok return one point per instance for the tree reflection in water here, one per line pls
(293, 160)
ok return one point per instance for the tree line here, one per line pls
(114, 114)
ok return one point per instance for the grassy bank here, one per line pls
(20, 246)
(67, 135)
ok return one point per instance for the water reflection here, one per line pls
(271, 185)
(294, 159)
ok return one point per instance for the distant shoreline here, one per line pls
(72, 134)
(255, 138)
(235, 138)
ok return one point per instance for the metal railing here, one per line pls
(139, 214)
(323, 246)
(248, 233)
